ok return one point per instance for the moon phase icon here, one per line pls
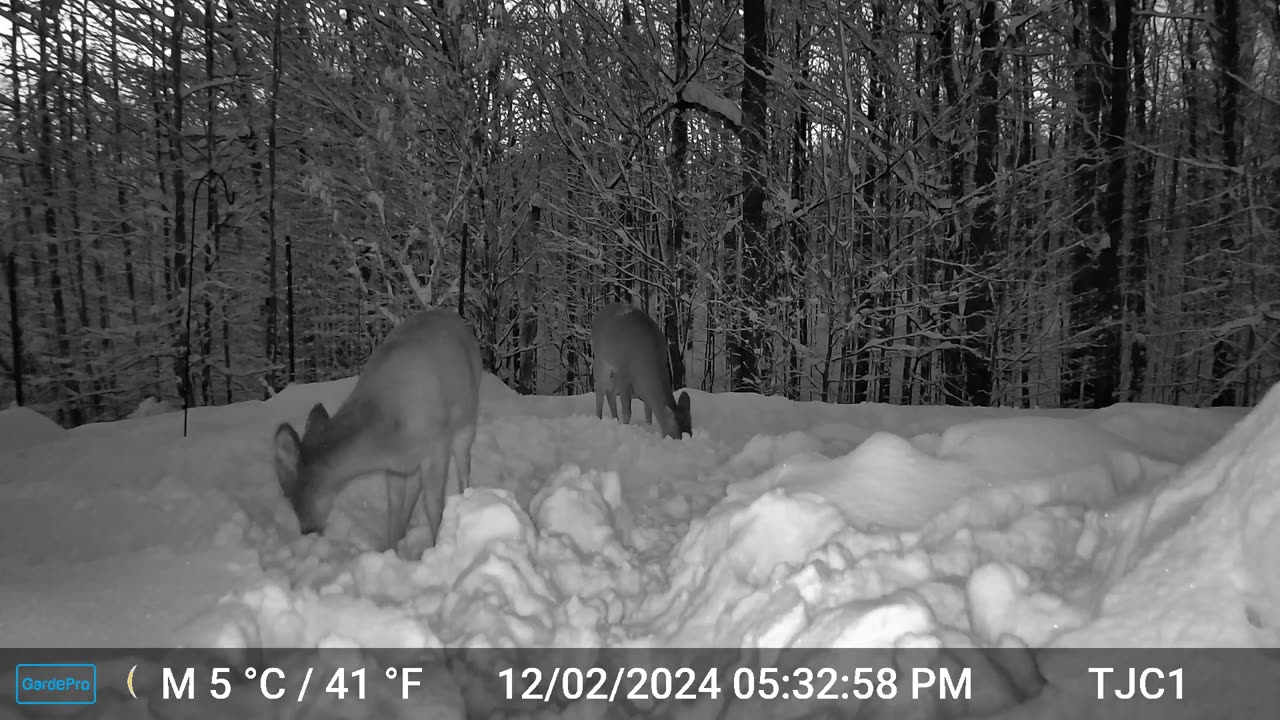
(129, 682)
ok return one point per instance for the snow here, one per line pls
(20, 428)
(777, 524)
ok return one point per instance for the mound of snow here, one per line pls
(901, 537)
(150, 407)
(1197, 562)
(1003, 603)
(22, 427)
(1172, 433)
(297, 398)
(980, 473)
(493, 389)
(777, 570)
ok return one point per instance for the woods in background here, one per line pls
(990, 203)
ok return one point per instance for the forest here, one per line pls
(978, 202)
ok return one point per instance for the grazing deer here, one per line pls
(412, 409)
(629, 357)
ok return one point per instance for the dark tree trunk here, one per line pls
(11, 256)
(673, 328)
(15, 322)
(1136, 268)
(954, 372)
(1107, 283)
(1226, 14)
(75, 238)
(489, 340)
(290, 311)
(271, 321)
(977, 366)
(89, 81)
(799, 226)
(745, 344)
(69, 412)
(527, 357)
(465, 240)
(870, 232)
(1091, 379)
(181, 258)
(19, 143)
(213, 228)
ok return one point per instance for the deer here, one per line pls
(629, 358)
(412, 410)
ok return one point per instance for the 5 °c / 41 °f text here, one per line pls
(273, 683)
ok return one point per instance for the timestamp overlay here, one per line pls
(643, 682)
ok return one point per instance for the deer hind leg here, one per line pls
(624, 396)
(402, 493)
(462, 442)
(602, 378)
(435, 479)
(613, 403)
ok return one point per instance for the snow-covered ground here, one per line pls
(778, 524)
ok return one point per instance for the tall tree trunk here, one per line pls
(161, 292)
(1226, 16)
(492, 307)
(1025, 215)
(70, 412)
(870, 230)
(88, 83)
(290, 312)
(1091, 379)
(527, 375)
(213, 228)
(21, 194)
(677, 168)
(181, 256)
(82, 359)
(464, 253)
(15, 318)
(746, 340)
(1136, 266)
(1184, 189)
(800, 226)
(75, 239)
(982, 236)
(1107, 283)
(952, 358)
(272, 350)
(125, 229)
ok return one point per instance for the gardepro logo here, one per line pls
(57, 684)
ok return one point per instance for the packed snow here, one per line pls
(777, 524)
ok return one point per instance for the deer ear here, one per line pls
(288, 452)
(316, 419)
